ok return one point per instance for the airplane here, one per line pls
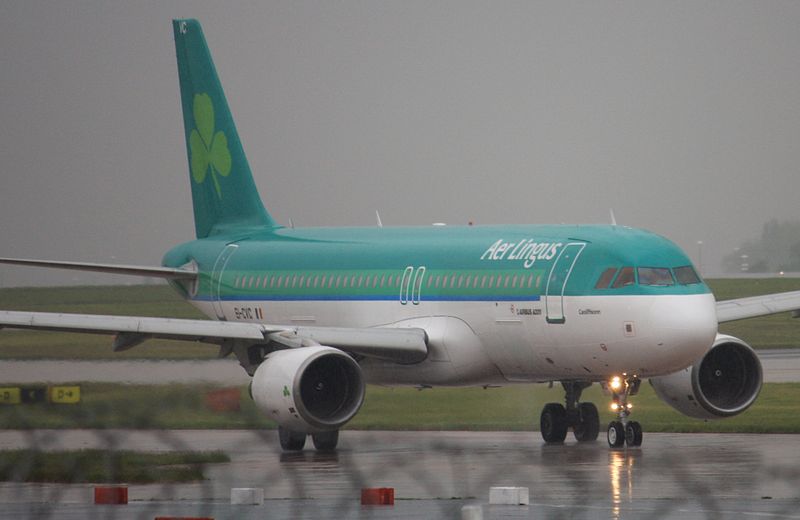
(314, 314)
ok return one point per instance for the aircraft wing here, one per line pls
(136, 270)
(402, 345)
(741, 308)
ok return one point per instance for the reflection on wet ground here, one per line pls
(434, 473)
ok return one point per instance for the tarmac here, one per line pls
(435, 474)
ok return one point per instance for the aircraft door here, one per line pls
(216, 279)
(411, 285)
(557, 281)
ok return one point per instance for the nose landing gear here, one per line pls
(622, 431)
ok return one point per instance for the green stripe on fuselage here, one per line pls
(460, 253)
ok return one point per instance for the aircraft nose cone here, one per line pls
(685, 327)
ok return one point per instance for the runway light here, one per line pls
(616, 383)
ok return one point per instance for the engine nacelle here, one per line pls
(723, 383)
(309, 389)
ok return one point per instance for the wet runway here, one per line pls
(436, 473)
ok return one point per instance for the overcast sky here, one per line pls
(684, 117)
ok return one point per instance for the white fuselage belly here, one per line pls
(495, 342)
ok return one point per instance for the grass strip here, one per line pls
(105, 466)
(512, 408)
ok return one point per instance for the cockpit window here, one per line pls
(605, 278)
(625, 278)
(655, 276)
(686, 275)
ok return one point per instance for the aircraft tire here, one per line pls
(616, 434)
(588, 426)
(553, 423)
(633, 434)
(291, 440)
(325, 441)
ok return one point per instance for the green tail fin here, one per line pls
(223, 192)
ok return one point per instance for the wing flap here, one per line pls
(401, 345)
(753, 306)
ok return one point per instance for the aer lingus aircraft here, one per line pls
(315, 314)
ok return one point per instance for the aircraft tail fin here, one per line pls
(224, 194)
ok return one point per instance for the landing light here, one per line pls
(616, 383)
(614, 406)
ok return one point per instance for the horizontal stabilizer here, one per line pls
(134, 270)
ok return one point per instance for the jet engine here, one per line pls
(723, 383)
(308, 389)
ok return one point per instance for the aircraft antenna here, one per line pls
(378, 217)
(613, 218)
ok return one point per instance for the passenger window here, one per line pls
(624, 278)
(530, 281)
(655, 276)
(483, 281)
(686, 275)
(605, 278)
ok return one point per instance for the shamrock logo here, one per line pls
(208, 150)
(286, 392)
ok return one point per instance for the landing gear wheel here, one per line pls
(588, 427)
(553, 423)
(633, 434)
(325, 441)
(291, 440)
(616, 434)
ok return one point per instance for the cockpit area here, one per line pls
(619, 277)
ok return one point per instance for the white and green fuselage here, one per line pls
(499, 304)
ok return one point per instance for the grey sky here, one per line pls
(683, 117)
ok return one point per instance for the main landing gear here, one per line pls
(622, 431)
(295, 441)
(583, 418)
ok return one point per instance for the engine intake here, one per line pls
(309, 389)
(723, 383)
